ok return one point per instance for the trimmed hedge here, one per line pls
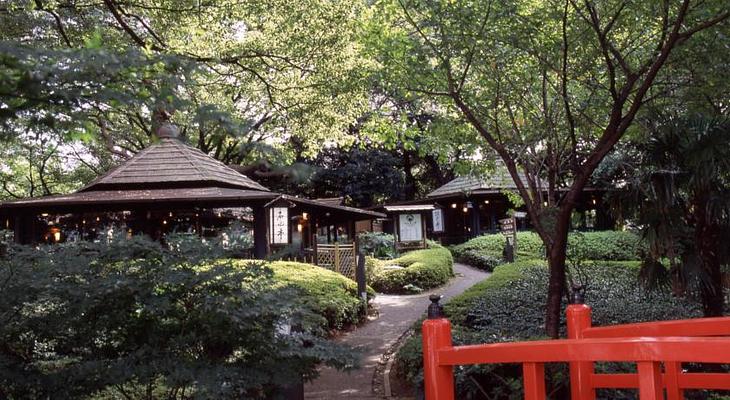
(510, 306)
(485, 252)
(422, 269)
(327, 293)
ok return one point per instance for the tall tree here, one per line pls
(551, 86)
(241, 79)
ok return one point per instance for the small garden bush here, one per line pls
(133, 319)
(510, 306)
(377, 244)
(325, 292)
(422, 269)
(485, 252)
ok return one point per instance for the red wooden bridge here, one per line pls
(657, 348)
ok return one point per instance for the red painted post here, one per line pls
(438, 379)
(672, 370)
(534, 380)
(579, 319)
(650, 380)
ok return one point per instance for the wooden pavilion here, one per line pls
(469, 206)
(173, 187)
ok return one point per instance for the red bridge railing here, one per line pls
(657, 348)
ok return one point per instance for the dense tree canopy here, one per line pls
(373, 101)
(241, 79)
(550, 86)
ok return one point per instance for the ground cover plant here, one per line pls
(325, 292)
(509, 306)
(416, 271)
(485, 252)
(134, 319)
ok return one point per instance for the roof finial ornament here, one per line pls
(168, 131)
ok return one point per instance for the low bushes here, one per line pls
(421, 269)
(131, 319)
(510, 305)
(605, 245)
(325, 292)
(485, 252)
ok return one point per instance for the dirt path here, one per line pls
(397, 314)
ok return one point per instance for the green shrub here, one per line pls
(605, 245)
(422, 269)
(377, 244)
(510, 305)
(93, 320)
(325, 292)
(486, 251)
(478, 259)
(529, 246)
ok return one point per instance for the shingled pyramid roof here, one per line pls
(172, 164)
(496, 182)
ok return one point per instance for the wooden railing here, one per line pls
(649, 345)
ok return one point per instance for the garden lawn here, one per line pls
(510, 306)
(421, 270)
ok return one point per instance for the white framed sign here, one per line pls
(279, 225)
(438, 220)
(410, 228)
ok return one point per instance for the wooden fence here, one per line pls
(338, 257)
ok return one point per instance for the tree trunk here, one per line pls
(410, 189)
(556, 255)
(709, 241)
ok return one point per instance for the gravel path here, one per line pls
(397, 314)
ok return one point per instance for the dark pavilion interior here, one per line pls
(171, 187)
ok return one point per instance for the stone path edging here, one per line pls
(376, 337)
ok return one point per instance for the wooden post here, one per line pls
(315, 256)
(337, 257)
(514, 235)
(579, 319)
(475, 223)
(423, 230)
(360, 277)
(260, 233)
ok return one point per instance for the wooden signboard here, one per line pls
(410, 227)
(507, 226)
(411, 231)
(437, 216)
